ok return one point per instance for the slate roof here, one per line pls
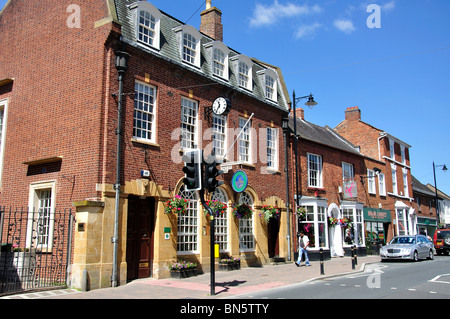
(420, 188)
(322, 135)
(169, 50)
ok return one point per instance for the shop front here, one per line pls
(376, 225)
(426, 226)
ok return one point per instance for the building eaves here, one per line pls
(322, 135)
(418, 187)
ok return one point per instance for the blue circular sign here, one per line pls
(239, 181)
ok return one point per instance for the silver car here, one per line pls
(413, 247)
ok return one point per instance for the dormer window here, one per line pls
(269, 79)
(189, 39)
(147, 23)
(243, 68)
(218, 52)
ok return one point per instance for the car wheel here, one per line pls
(430, 255)
(416, 256)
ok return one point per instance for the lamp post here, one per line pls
(310, 104)
(121, 63)
(285, 126)
(444, 168)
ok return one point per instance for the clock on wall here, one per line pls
(221, 106)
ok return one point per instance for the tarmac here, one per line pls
(228, 284)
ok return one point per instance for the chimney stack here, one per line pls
(211, 22)
(353, 114)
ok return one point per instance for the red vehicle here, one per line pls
(442, 241)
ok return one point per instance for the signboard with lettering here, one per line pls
(377, 215)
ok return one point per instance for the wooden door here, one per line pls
(140, 237)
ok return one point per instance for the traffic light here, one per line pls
(193, 170)
(211, 173)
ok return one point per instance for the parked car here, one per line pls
(413, 247)
(442, 241)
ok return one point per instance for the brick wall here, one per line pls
(56, 100)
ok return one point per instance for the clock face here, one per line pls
(220, 105)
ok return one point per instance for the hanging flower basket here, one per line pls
(176, 205)
(344, 222)
(217, 207)
(301, 213)
(268, 212)
(242, 211)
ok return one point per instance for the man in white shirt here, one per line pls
(303, 243)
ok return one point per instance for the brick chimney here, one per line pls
(300, 113)
(353, 114)
(211, 22)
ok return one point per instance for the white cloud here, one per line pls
(389, 6)
(344, 25)
(307, 30)
(270, 14)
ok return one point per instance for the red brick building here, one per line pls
(394, 182)
(60, 95)
(333, 185)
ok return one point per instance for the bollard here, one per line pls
(353, 258)
(321, 262)
(356, 255)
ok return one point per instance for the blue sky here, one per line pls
(398, 74)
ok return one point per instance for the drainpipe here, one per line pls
(285, 125)
(121, 66)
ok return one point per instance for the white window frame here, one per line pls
(394, 179)
(144, 6)
(318, 171)
(219, 54)
(371, 187)
(144, 100)
(243, 67)
(382, 184)
(36, 215)
(219, 134)
(272, 148)
(318, 217)
(348, 173)
(354, 211)
(247, 225)
(392, 149)
(403, 154)
(405, 182)
(188, 225)
(3, 122)
(269, 81)
(245, 141)
(189, 33)
(189, 123)
(221, 224)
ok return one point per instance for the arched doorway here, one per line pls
(336, 249)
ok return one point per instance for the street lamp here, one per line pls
(310, 103)
(121, 63)
(444, 168)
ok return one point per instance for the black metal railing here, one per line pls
(35, 249)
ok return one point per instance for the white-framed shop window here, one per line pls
(246, 225)
(314, 223)
(221, 221)
(188, 224)
(353, 235)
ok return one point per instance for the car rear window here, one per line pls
(441, 234)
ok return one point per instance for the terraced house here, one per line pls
(101, 99)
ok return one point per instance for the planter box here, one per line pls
(183, 273)
(229, 266)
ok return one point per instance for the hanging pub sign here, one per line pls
(350, 190)
(239, 181)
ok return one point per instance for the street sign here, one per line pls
(239, 181)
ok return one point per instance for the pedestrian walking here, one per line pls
(303, 244)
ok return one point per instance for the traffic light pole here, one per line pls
(212, 233)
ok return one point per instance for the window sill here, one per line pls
(146, 142)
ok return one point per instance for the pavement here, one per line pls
(228, 284)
